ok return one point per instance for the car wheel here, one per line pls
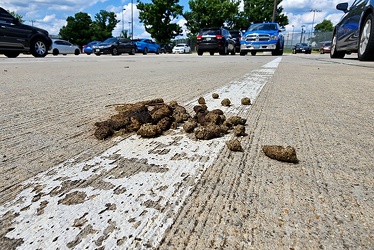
(98, 54)
(243, 53)
(224, 51)
(145, 51)
(158, 51)
(253, 53)
(11, 54)
(200, 52)
(233, 52)
(55, 52)
(211, 53)
(366, 42)
(334, 53)
(76, 52)
(39, 48)
(278, 50)
(114, 51)
(132, 52)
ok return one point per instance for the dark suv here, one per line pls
(16, 38)
(215, 40)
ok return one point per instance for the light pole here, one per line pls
(129, 30)
(132, 20)
(314, 14)
(293, 31)
(123, 28)
(274, 11)
(302, 31)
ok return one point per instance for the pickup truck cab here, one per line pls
(261, 37)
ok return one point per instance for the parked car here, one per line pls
(147, 45)
(166, 48)
(215, 40)
(17, 38)
(261, 37)
(325, 47)
(354, 32)
(88, 47)
(64, 47)
(115, 46)
(236, 35)
(181, 48)
(302, 48)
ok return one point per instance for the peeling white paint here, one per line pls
(151, 199)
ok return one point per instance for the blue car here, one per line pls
(88, 48)
(147, 45)
(354, 32)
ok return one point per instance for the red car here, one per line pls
(325, 47)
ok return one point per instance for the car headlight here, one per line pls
(274, 37)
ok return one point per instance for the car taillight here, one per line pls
(199, 37)
(219, 37)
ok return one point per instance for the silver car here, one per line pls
(63, 47)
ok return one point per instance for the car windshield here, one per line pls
(179, 45)
(262, 26)
(111, 40)
(303, 44)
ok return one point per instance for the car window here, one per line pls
(210, 32)
(111, 40)
(5, 17)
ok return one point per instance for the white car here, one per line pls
(181, 48)
(63, 47)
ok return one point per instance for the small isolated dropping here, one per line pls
(226, 102)
(246, 101)
(280, 153)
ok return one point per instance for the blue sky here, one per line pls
(51, 14)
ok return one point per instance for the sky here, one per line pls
(51, 14)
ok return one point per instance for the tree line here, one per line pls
(158, 18)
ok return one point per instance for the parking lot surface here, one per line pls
(62, 188)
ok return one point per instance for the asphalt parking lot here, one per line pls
(62, 188)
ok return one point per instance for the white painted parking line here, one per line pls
(126, 197)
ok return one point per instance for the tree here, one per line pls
(80, 29)
(125, 34)
(157, 18)
(324, 26)
(77, 29)
(322, 31)
(210, 13)
(104, 24)
(259, 11)
(16, 15)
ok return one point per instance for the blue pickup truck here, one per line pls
(262, 37)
